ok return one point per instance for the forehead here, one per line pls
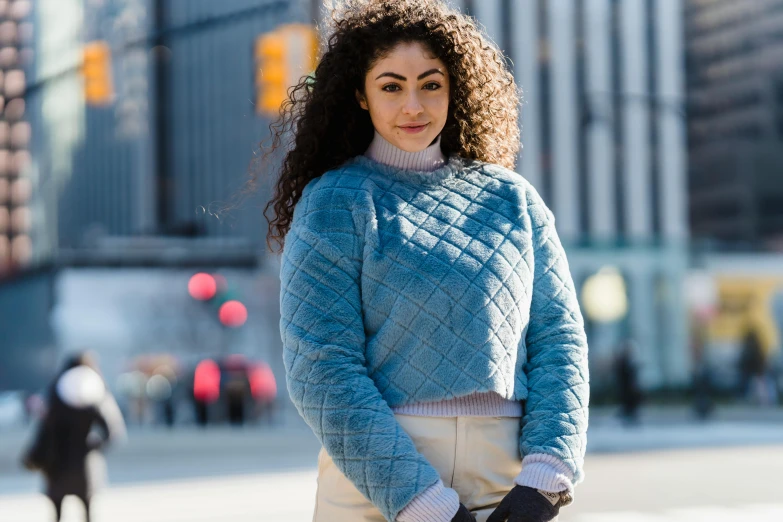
(409, 56)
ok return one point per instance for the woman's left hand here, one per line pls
(524, 504)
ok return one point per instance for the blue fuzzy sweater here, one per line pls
(402, 287)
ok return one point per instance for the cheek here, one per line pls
(383, 110)
(440, 107)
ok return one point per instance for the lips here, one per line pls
(413, 128)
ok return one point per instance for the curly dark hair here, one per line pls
(329, 127)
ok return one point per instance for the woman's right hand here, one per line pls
(463, 515)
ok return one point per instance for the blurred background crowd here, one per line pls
(128, 129)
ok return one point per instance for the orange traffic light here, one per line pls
(98, 88)
(271, 73)
(283, 57)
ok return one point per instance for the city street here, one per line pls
(577, 204)
(633, 475)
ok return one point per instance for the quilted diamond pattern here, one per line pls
(555, 420)
(401, 287)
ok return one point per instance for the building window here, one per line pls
(582, 111)
(618, 102)
(545, 100)
(657, 108)
(505, 30)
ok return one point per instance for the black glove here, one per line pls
(524, 504)
(463, 515)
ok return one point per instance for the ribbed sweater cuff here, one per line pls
(541, 471)
(436, 504)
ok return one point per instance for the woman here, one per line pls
(432, 336)
(66, 450)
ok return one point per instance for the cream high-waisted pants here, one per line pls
(476, 456)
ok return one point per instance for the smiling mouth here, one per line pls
(412, 129)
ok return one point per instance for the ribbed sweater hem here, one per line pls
(474, 405)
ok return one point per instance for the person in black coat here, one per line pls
(81, 419)
(627, 375)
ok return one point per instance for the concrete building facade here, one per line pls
(176, 142)
(603, 134)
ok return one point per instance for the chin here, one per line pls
(417, 144)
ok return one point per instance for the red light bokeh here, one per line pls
(202, 287)
(262, 382)
(206, 381)
(232, 314)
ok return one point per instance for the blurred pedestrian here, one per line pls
(752, 367)
(627, 375)
(263, 387)
(703, 404)
(81, 419)
(236, 388)
(206, 389)
(432, 336)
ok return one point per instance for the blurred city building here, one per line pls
(17, 204)
(145, 115)
(125, 127)
(735, 88)
(603, 134)
(26, 278)
(155, 127)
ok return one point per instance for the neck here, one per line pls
(429, 159)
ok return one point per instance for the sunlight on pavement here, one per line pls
(751, 513)
(269, 497)
(288, 497)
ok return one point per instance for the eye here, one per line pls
(432, 86)
(391, 87)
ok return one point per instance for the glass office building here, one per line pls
(735, 88)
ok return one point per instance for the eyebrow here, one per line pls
(403, 78)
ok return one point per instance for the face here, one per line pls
(407, 94)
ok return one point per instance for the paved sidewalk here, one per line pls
(288, 497)
(257, 474)
(187, 452)
(676, 427)
(683, 414)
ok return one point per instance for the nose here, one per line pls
(412, 105)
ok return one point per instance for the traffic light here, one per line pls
(271, 74)
(98, 88)
(282, 58)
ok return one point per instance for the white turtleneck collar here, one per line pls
(426, 160)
